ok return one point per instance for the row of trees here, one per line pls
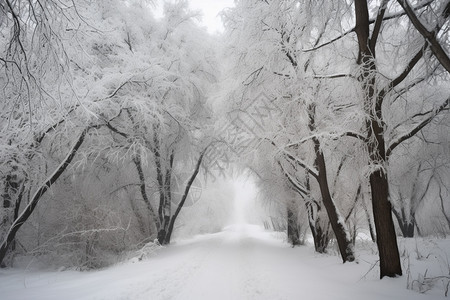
(104, 123)
(334, 106)
(361, 95)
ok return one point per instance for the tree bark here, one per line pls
(336, 220)
(166, 189)
(292, 227)
(406, 226)
(320, 235)
(430, 36)
(142, 187)
(384, 225)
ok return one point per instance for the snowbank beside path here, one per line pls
(242, 262)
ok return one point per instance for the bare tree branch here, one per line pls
(45, 186)
(297, 187)
(416, 129)
(430, 36)
(311, 170)
(332, 135)
(377, 26)
(371, 21)
(332, 76)
(396, 81)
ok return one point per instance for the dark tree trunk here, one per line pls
(184, 197)
(23, 217)
(336, 221)
(342, 238)
(320, 236)
(406, 226)
(384, 225)
(142, 187)
(292, 227)
(408, 230)
(163, 234)
(11, 194)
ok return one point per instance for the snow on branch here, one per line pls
(331, 41)
(75, 107)
(332, 76)
(45, 186)
(252, 77)
(311, 170)
(297, 187)
(430, 36)
(396, 81)
(377, 26)
(331, 135)
(371, 21)
(419, 127)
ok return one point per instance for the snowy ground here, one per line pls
(241, 262)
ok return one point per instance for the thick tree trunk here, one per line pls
(384, 225)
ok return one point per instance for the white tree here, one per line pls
(265, 45)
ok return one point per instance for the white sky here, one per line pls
(210, 10)
(245, 193)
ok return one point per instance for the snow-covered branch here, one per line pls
(371, 21)
(45, 186)
(430, 36)
(331, 135)
(416, 129)
(332, 76)
(311, 170)
(297, 187)
(377, 26)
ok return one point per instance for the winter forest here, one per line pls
(301, 150)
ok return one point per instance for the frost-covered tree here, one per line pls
(265, 46)
(378, 90)
(134, 88)
(395, 70)
(39, 94)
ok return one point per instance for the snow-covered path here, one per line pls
(242, 262)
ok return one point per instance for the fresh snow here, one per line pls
(241, 262)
